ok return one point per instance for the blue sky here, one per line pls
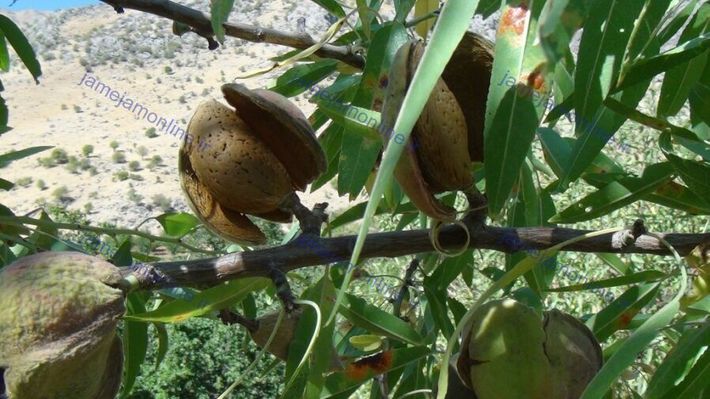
(45, 4)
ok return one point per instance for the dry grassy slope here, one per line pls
(129, 53)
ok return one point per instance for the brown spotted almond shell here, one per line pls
(231, 225)
(237, 167)
(283, 127)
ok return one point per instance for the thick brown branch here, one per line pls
(309, 250)
(200, 23)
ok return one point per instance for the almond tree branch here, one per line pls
(200, 23)
(310, 250)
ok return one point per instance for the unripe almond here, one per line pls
(58, 327)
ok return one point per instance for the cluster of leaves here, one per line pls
(620, 54)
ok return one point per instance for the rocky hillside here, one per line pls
(107, 161)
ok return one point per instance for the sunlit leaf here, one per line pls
(377, 321)
(518, 92)
(177, 224)
(304, 77)
(358, 154)
(601, 51)
(207, 301)
(675, 365)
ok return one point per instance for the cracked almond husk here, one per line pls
(250, 159)
(58, 327)
(510, 352)
(447, 135)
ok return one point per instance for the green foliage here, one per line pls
(60, 193)
(87, 150)
(151, 133)
(24, 181)
(204, 358)
(118, 157)
(162, 202)
(134, 166)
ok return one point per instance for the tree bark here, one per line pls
(310, 250)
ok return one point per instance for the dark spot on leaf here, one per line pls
(513, 19)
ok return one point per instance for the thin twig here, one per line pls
(23, 220)
(200, 23)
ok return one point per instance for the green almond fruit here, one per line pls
(58, 327)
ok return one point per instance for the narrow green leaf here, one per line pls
(647, 68)
(699, 101)
(4, 54)
(675, 20)
(517, 96)
(8, 157)
(677, 196)
(304, 77)
(601, 51)
(323, 352)
(678, 360)
(486, 8)
(694, 174)
(6, 185)
(163, 343)
(331, 141)
(177, 224)
(332, 7)
(619, 313)
(436, 298)
(614, 261)
(207, 301)
(355, 120)
(135, 344)
(626, 354)
(358, 154)
(377, 321)
(219, 11)
(22, 47)
(615, 195)
(122, 256)
(640, 277)
(679, 80)
(695, 384)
